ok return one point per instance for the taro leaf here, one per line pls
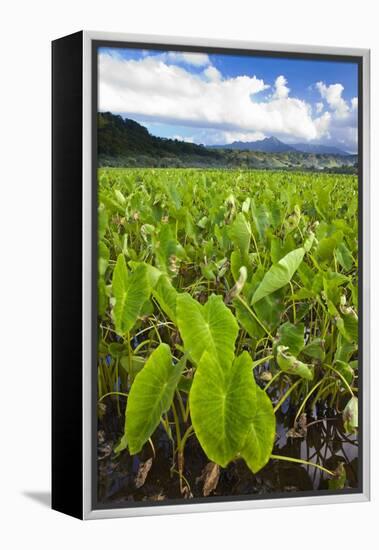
(348, 326)
(270, 310)
(344, 349)
(236, 263)
(292, 221)
(165, 247)
(132, 366)
(122, 444)
(185, 384)
(308, 243)
(240, 233)
(279, 248)
(153, 274)
(260, 439)
(102, 221)
(117, 349)
(315, 349)
(150, 396)
(290, 364)
(279, 274)
(165, 294)
(211, 327)
(325, 248)
(120, 197)
(339, 479)
(346, 370)
(291, 336)
(103, 258)
(260, 217)
(247, 321)
(207, 272)
(350, 416)
(344, 257)
(130, 291)
(222, 405)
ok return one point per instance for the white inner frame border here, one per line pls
(88, 511)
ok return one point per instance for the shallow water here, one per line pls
(325, 443)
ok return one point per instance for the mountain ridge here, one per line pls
(275, 145)
(124, 142)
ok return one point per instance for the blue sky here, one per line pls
(212, 98)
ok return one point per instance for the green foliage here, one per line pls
(292, 365)
(150, 396)
(223, 404)
(260, 439)
(211, 327)
(130, 292)
(279, 274)
(205, 274)
(122, 142)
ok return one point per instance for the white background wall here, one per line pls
(26, 31)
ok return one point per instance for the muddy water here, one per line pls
(325, 443)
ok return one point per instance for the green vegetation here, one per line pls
(125, 143)
(216, 288)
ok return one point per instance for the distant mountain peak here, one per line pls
(265, 145)
(274, 145)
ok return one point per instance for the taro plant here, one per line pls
(222, 296)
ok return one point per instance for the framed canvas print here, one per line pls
(210, 275)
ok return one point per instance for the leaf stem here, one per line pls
(290, 390)
(255, 316)
(112, 393)
(342, 378)
(304, 462)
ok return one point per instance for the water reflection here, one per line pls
(325, 443)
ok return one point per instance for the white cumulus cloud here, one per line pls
(191, 58)
(156, 89)
(281, 89)
(213, 74)
(333, 96)
(319, 107)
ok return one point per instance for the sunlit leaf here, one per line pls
(150, 396)
(260, 439)
(166, 295)
(240, 233)
(223, 405)
(279, 274)
(130, 292)
(211, 327)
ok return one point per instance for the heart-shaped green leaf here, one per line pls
(222, 405)
(150, 396)
(240, 233)
(279, 274)
(211, 327)
(131, 291)
(260, 438)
